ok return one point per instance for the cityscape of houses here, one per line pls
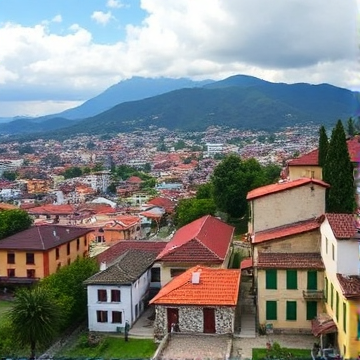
(304, 262)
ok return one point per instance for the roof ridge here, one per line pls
(41, 238)
(212, 251)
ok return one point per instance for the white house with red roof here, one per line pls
(288, 269)
(205, 241)
(200, 300)
(341, 256)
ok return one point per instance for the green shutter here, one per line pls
(291, 310)
(312, 280)
(311, 310)
(291, 279)
(344, 317)
(326, 289)
(337, 306)
(271, 310)
(332, 296)
(271, 279)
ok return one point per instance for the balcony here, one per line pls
(313, 294)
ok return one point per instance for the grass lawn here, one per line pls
(4, 307)
(258, 354)
(111, 348)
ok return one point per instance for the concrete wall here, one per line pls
(287, 207)
(191, 319)
(296, 172)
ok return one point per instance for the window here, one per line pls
(11, 258)
(291, 279)
(115, 295)
(337, 306)
(30, 273)
(271, 279)
(271, 310)
(77, 244)
(312, 280)
(102, 316)
(311, 310)
(30, 259)
(344, 317)
(100, 239)
(155, 274)
(68, 261)
(85, 241)
(68, 248)
(102, 295)
(333, 251)
(176, 272)
(57, 253)
(117, 317)
(11, 272)
(136, 310)
(326, 289)
(291, 310)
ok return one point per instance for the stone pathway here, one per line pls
(202, 347)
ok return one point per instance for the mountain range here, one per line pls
(240, 101)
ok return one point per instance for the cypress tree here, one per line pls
(338, 172)
(323, 146)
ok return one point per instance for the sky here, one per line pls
(56, 54)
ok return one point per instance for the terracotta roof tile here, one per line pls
(42, 237)
(52, 210)
(342, 225)
(127, 268)
(164, 202)
(289, 261)
(207, 235)
(286, 230)
(110, 255)
(350, 285)
(216, 287)
(246, 263)
(282, 186)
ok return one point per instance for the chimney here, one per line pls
(54, 233)
(103, 266)
(195, 277)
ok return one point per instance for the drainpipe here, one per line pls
(131, 304)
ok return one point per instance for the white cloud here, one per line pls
(101, 17)
(57, 19)
(285, 40)
(114, 4)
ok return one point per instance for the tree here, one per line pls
(204, 191)
(232, 179)
(189, 210)
(351, 127)
(9, 175)
(338, 172)
(323, 146)
(35, 317)
(13, 221)
(52, 160)
(73, 172)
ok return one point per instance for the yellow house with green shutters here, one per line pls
(340, 254)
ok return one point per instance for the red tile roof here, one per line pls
(323, 324)
(289, 261)
(342, 225)
(111, 254)
(286, 230)
(134, 180)
(350, 285)
(311, 158)
(205, 239)
(50, 209)
(163, 202)
(42, 237)
(282, 186)
(246, 263)
(216, 287)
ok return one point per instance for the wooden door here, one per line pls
(172, 317)
(209, 320)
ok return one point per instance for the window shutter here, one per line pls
(271, 310)
(271, 279)
(312, 280)
(344, 317)
(311, 310)
(291, 279)
(291, 310)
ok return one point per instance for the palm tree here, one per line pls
(35, 317)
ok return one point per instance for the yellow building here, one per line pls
(340, 253)
(39, 251)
